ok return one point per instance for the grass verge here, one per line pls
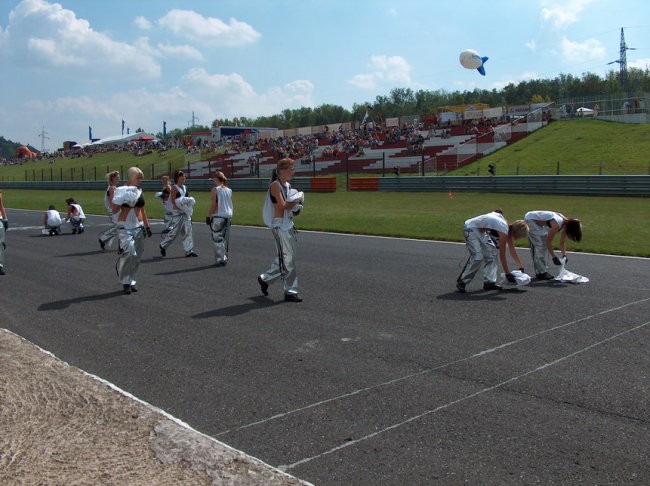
(612, 225)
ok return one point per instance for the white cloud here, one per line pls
(231, 95)
(41, 35)
(588, 50)
(190, 25)
(531, 45)
(562, 13)
(386, 71)
(391, 12)
(640, 63)
(524, 76)
(142, 23)
(182, 52)
(363, 81)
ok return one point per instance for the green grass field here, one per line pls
(612, 225)
(579, 147)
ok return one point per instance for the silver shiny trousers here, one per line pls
(77, 223)
(167, 218)
(132, 242)
(3, 245)
(180, 224)
(220, 229)
(482, 249)
(539, 252)
(284, 265)
(109, 235)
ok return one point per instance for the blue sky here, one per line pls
(77, 63)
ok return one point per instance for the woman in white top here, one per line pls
(219, 217)
(167, 206)
(181, 222)
(487, 236)
(107, 237)
(278, 216)
(544, 225)
(52, 221)
(133, 227)
(75, 216)
(3, 232)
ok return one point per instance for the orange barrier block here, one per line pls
(364, 184)
(323, 184)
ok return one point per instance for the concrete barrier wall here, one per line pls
(579, 185)
(305, 184)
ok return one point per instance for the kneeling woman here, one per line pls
(133, 227)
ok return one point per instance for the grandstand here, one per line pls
(417, 149)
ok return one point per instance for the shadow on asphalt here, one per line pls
(236, 310)
(64, 304)
(480, 295)
(183, 270)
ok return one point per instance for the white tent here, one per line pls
(585, 111)
(122, 139)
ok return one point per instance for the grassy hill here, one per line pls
(94, 167)
(579, 147)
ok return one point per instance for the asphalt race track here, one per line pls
(384, 375)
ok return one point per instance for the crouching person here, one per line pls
(52, 221)
(488, 236)
(75, 216)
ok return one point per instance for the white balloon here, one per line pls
(470, 59)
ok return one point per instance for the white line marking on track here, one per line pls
(428, 370)
(462, 399)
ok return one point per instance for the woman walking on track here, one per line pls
(164, 198)
(107, 237)
(3, 233)
(133, 227)
(278, 216)
(219, 217)
(181, 222)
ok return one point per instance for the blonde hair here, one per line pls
(165, 179)
(110, 175)
(519, 229)
(221, 177)
(133, 173)
(282, 164)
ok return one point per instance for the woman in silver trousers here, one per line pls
(279, 217)
(133, 227)
(219, 216)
